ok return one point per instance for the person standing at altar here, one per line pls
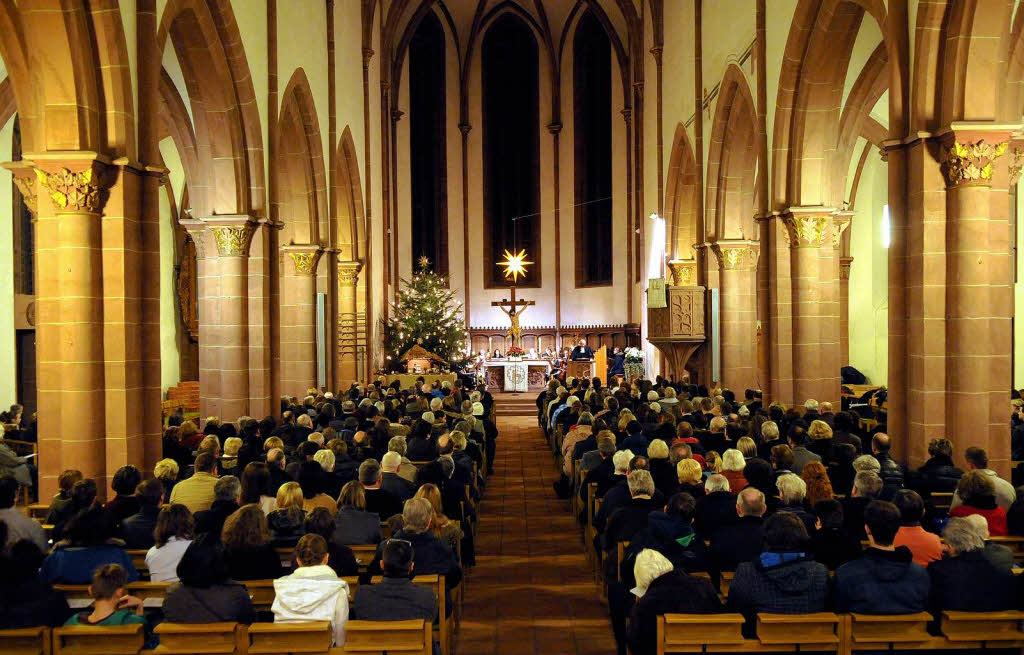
(582, 352)
(496, 354)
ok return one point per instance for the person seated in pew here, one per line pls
(391, 481)
(926, 546)
(395, 597)
(783, 579)
(886, 580)
(90, 543)
(378, 500)
(341, 559)
(444, 528)
(977, 494)
(671, 533)
(831, 544)
(619, 496)
(205, 592)
(287, 522)
(137, 529)
(353, 525)
(18, 525)
(662, 589)
(867, 485)
(174, 532)
(740, 541)
(312, 479)
(313, 592)
(792, 490)
(226, 494)
(111, 604)
(247, 547)
(125, 501)
(25, 599)
(62, 507)
(1000, 555)
(965, 580)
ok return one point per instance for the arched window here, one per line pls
(428, 144)
(511, 148)
(592, 103)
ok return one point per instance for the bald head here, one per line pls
(750, 502)
(880, 443)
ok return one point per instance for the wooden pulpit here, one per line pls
(594, 368)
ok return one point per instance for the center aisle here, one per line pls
(531, 590)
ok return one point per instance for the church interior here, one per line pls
(621, 316)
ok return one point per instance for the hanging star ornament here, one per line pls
(424, 262)
(515, 265)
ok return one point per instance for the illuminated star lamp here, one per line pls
(515, 265)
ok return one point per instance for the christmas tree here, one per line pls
(425, 313)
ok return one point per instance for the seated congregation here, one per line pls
(692, 503)
(354, 509)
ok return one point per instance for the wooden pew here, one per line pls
(941, 499)
(98, 640)
(39, 511)
(822, 631)
(139, 561)
(892, 632)
(979, 630)
(694, 633)
(25, 641)
(151, 593)
(289, 638)
(396, 637)
(192, 638)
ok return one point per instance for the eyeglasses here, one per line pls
(398, 541)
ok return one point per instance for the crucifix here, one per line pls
(513, 307)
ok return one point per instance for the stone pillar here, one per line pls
(971, 348)
(207, 291)
(737, 278)
(229, 313)
(808, 230)
(844, 310)
(348, 332)
(831, 313)
(72, 421)
(298, 319)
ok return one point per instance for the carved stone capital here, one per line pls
(25, 180)
(736, 255)
(465, 128)
(82, 188)
(1016, 166)
(807, 229)
(840, 222)
(304, 258)
(396, 115)
(844, 267)
(683, 272)
(656, 51)
(197, 231)
(971, 163)
(348, 273)
(233, 239)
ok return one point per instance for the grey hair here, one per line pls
(769, 430)
(866, 463)
(791, 488)
(733, 460)
(227, 488)
(640, 483)
(716, 482)
(586, 418)
(961, 535)
(621, 460)
(417, 513)
(868, 483)
(397, 445)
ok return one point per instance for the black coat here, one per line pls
(715, 511)
(137, 529)
(733, 544)
(382, 503)
(32, 602)
(882, 582)
(672, 593)
(834, 547)
(628, 520)
(603, 474)
(937, 475)
(393, 599)
(664, 475)
(278, 477)
(892, 475)
(228, 603)
(771, 585)
(260, 563)
(969, 582)
(398, 486)
(431, 556)
(853, 516)
(212, 520)
(354, 527)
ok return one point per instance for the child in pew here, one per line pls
(111, 603)
(313, 592)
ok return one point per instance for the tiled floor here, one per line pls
(531, 591)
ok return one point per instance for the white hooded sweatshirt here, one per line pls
(312, 593)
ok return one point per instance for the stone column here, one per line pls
(230, 338)
(737, 279)
(971, 349)
(831, 312)
(844, 310)
(808, 230)
(72, 422)
(348, 332)
(207, 291)
(298, 319)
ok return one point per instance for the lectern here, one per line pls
(591, 368)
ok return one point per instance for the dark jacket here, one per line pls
(354, 527)
(398, 486)
(123, 506)
(393, 599)
(211, 521)
(834, 547)
(278, 477)
(853, 516)
(715, 511)
(892, 475)
(733, 544)
(75, 564)
(629, 519)
(938, 474)
(664, 474)
(382, 503)
(228, 603)
(841, 436)
(809, 519)
(603, 474)
(137, 529)
(779, 583)
(430, 556)
(261, 563)
(287, 526)
(969, 582)
(617, 497)
(32, 602)
(672, 593)
(419, 449)
(673, 537)
(882, 582)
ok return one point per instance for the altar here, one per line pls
(512, 375)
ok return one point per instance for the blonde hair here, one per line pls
(325, 458)
(714, 461)
(688, 471)
(271, 443)
(166, 469)
(747, 446)
(650, 565)
(289, 495)
(231, 446)
(819, 430)
(657, 449)
(733, 460)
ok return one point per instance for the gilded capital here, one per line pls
(971, 163)
(683, 272)
(739, 256)
(305, 261)
(76, 191)
(232, 240)
(844, 267)
(348, 273)
(807, 230)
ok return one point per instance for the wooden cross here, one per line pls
(512, 308)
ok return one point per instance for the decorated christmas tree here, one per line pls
(425, 313)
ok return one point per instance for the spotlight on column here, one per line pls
(886, 227)
(656, 257)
